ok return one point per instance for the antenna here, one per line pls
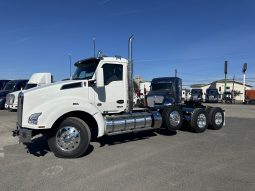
(175, 73)
(94, 46)
(70, 66)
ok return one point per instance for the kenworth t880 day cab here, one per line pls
(98, 101)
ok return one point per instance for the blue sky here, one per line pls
(194, 36)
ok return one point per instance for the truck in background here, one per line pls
(2, 83)
(196, 96)
(37, 79)
(185, 95)
(212, 95)
(249, 96)
(97, 102)
(11, 86)
(228, 97)
(165, 91)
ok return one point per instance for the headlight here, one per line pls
(33, 119)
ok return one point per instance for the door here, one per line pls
(111, 97)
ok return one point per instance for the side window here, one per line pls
(17, 86)
(24, 84)
(112, 72)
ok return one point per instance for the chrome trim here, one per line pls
(174, 118)
(20, 108)
(218, 118)
(132, 122)
(201, 120)
(68, 138)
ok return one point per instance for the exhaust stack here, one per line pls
(130, 74)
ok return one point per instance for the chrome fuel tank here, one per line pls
(132, 122)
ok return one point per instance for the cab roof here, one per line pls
(97, 60)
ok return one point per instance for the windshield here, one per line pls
(212, 92)
(161, 86)
(10, 86)
(29, 86)
(85, 71)
(195, 91)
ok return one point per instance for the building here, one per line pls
(231, 85)
(145, 86)
(138, 79)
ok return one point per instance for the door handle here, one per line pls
(121, 101)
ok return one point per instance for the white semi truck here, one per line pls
(97, 102)
(37, 79)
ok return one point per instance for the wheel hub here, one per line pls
(201, 120)
(218, 118)
(174, 118)
(68, 138)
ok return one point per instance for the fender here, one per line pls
(55, 108)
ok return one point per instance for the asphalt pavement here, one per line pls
(213, 160)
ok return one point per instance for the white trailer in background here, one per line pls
(37, 79)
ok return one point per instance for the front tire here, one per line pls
(172, 118)
(71, 139)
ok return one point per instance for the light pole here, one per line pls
(225, 72)
(244, 70)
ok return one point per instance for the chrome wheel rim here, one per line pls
(174, 118)
(68, 138)
(201, 120)
(218, 118)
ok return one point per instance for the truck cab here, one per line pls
(212, 95)
(196, 95)
(11, 86)
(105, 83)
(164, 91)
(2, 83)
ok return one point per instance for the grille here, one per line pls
(152, 100)
(211, 97)
(8, 98)
(20, 108)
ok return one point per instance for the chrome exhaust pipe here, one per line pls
(130, 74)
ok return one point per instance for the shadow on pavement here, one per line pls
(124, 138)
(39, 147)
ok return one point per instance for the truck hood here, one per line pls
(55, 92)
(52, 86)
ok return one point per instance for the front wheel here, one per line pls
(71, 139)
